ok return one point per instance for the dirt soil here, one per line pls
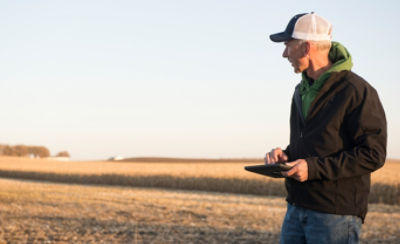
(34, 212)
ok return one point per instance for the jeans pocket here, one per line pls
(354, 229)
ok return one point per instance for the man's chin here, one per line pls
(297, 71)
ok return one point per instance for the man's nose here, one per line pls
(285, 54)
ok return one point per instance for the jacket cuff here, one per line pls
(312, 168)
(286, 151)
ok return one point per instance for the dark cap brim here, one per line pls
(280, 37)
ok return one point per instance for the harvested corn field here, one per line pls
(32, 212)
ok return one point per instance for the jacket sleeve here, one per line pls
(286, 151)
(365, 123)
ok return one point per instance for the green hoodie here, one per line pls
(341, 60)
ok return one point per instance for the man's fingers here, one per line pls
(291, 163)
(299, 170)
(277, 154)
(271, 157)
(292, 171)
(267, 159)
(289, 172)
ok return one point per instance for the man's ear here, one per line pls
(306, 48)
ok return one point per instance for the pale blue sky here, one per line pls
(172, 78)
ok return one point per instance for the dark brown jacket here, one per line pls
(343, 140)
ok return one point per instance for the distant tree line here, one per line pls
(28, 151)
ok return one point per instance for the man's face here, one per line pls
(295, 52)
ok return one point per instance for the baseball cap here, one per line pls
(306, 26)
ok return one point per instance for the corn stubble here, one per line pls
(37, 212)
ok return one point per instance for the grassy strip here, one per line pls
(380, 192)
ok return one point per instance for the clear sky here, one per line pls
(173, 78)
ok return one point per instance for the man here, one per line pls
(337, 138)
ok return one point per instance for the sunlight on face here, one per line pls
(295, 53)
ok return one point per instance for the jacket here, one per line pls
(343, 139)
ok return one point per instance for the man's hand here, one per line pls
(275, 156)
(299, 171)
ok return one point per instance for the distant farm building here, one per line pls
(116, 158)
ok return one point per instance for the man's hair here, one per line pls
(321, 45)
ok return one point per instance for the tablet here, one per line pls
(271, 170)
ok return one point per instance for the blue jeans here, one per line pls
(307, 226)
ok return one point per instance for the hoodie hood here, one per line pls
(341, 60)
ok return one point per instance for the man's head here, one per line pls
(303, 54)
(307, 40)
